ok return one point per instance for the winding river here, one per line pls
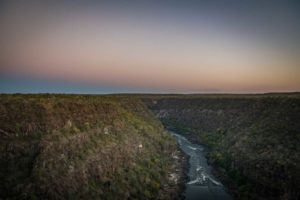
(202, 184)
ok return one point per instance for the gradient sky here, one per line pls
(183, 46)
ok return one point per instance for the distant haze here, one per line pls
(150, 46)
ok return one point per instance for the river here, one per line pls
(202, 185)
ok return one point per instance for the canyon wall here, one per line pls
(113, 147)
(253, 140)
(84, 147)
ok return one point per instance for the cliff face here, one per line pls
(70, 146)
(253, 139)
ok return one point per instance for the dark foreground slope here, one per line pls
(254, 140)
(83, 147)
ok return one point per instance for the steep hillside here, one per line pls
(254, 140)
(84, 147)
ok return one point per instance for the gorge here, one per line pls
(119, 146)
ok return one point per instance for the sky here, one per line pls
(166, 46)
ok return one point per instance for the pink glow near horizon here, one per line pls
(102, 48)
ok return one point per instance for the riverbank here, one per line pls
(220, 173)
(200, 183)
(179, 173)
(217, 171)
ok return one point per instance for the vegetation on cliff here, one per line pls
(253, 139)
(112, 147)
(75, 147)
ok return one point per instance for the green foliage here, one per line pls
(254, 138)
(82, 147)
